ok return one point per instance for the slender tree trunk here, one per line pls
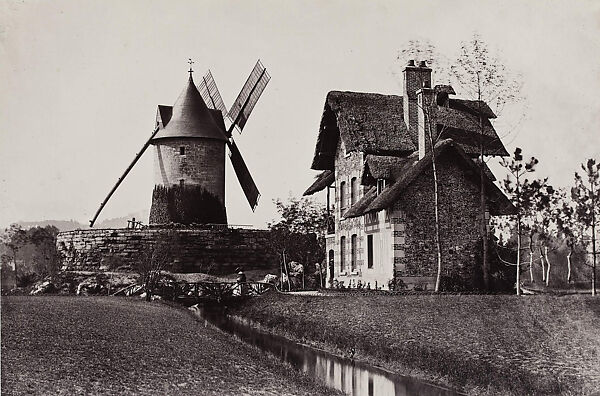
(531, 260)
(543, 265)
(15, 266)
(485, 264)
(593, 240)
(437, 217)
(286, 272)
(303, 270)
(569, 265)
(518, 255)
(321, 275)
(436, 201)
(548, 265)
(518, 193)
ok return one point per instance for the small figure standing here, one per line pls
(241, 280)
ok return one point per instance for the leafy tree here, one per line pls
(299, 235)
(586, 198)
(45, 257)
(521, 192)
(14, 238)
(483, 77)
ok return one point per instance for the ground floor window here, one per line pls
(369, 251)
(353, 241)
(343, 253)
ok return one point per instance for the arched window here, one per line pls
(353, 252)
(343, 195)
(343, 253)
(353, 191)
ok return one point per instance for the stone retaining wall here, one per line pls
(214, 251)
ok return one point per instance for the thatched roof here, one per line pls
(410, 170)
(465, 128)
(323, 180)
(367, 122)
(447, 89)
(474, 107)
(383, 167)
(360, 207)
(374, 124)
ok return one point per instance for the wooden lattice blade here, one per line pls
(210, 93)
(243, 175)
(249, 95)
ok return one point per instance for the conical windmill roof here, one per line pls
(191, 118)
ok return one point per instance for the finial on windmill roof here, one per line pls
(191, 62)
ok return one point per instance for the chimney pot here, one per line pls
(422, 64)
(411, 63)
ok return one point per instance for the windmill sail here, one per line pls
(120, 180)
(243, 175)
(253, 88)
(210, 93)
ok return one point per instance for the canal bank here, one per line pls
(483, 345)
(344, 373)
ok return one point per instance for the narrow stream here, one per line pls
(351, 377)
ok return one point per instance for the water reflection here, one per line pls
(352, 378)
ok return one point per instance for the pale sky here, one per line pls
(80, 82)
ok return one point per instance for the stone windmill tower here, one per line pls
(189, 142)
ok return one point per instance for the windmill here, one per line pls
(189, 142)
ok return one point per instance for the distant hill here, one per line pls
(62, 225)
(68, 225)
(121, 222)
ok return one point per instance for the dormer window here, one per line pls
(182, 150)
(380, 185)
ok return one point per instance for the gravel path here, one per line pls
(103, 345)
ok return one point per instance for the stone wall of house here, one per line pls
(348, 167)
(209, 250)
(459, 225)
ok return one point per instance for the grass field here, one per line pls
(497, 345)
(111, 346)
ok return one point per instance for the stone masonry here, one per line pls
(192, 162)
(214, 251)
(459, 217)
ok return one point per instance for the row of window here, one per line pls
(381, 184)
(354, 252)
(353, 193)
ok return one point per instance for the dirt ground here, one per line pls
(55, 345)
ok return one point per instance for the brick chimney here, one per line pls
(414, 79)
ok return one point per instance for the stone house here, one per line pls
(373, 153)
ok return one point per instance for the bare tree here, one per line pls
(546, 204)
(521, 192)
(155, 259)
(569, 228)
(484, 77)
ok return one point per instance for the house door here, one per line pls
(330, 266)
